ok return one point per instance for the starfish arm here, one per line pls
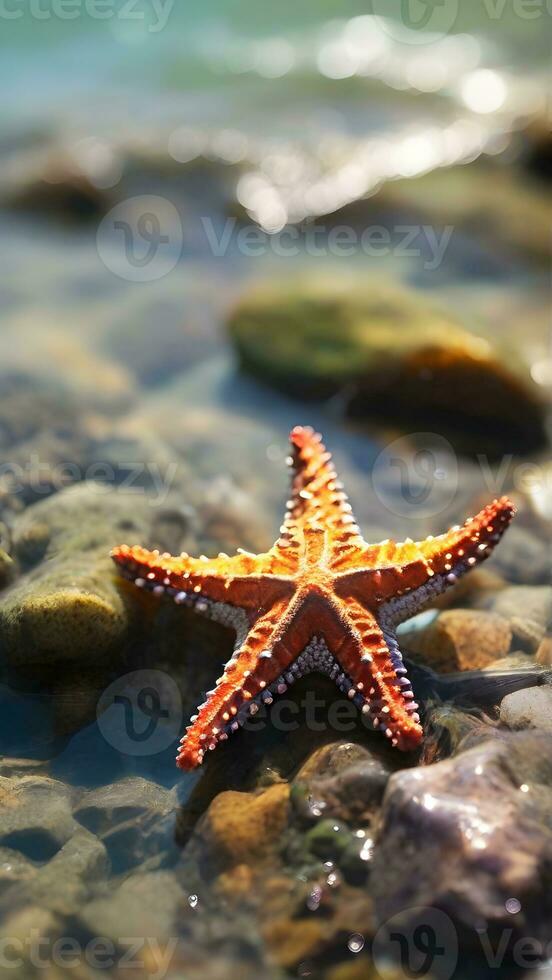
(244, 580)
(381, 688)
(471, 543)
(390, 570)
(268, 649)
(317, 498)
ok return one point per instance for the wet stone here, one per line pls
(14, 869)
(523, 557)
(133, 818)
(71, 607)
(66, 881)
(346, 782)
(472, 832)
(459, 639)
(143, 905)
(244, 827)
(35, 816)
(528, 709)
(528, 609)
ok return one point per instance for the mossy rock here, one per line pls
(69, 605)
(391, 356)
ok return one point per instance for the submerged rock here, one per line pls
(35, 816)
(459, 639)
(389, 355)
(132, 818)
(66, 881)
(467, 835)
(14, 869)
(143, 905)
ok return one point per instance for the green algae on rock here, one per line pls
(69, 606)
(390, 355)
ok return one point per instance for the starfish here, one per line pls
(321, 599)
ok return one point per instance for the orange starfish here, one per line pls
(321, 599)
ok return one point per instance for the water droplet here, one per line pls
(315, 896)
(355, 942)
(513, 905)
(193, 901)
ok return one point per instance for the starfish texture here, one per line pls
(321, 599)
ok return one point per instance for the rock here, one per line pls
(35, 816)
(133, 819)
(60, 190)
(328, 839)
(537, 149)
(486, 201)
(544, 652)
(128, 799)
(528, 633)
(71, 606)
(515, 661)
(466, 835)
(449, 729)
(318, 931)
(528, 709)
(342, 782)
(459, 639)
(22, 767)
(523, 557)
(331, 760)
(528, 608)
(243, 827)
(31, 931)
(143, 905)
(294, 941)
(65, 883)
(387, 354)
(7, 569)
(14, 869)
(361, 968)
